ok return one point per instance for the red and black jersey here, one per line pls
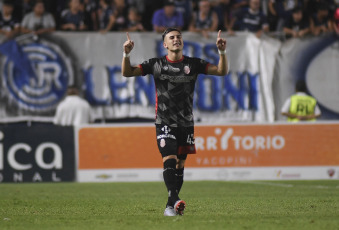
(174, 82)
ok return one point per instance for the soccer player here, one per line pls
(174, 76)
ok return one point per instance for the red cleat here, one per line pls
(179, 207)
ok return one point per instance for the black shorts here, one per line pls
(175, 140)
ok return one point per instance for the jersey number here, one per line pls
(190, 139)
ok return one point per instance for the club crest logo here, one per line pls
(187, 69)
(35, 73)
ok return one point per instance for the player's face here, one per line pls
(173, 41)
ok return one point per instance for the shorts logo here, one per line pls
(166, 129)
(35, 74)
(166, 134)
(162, 143)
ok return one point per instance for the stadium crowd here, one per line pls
(293, 18)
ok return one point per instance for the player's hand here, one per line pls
(128, 45)
(221, 42)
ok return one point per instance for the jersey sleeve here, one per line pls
(202, 66)
(147, 67)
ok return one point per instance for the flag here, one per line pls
(14, 52)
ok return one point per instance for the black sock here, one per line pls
(180, 179)
(170, 181)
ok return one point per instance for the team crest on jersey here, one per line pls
(187, 69)
(35, 73)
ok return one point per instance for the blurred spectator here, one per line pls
(105, 16)
(9, 25)
(336, 21)
(184, 7)
(73, 110)
(297, 25)
(311, 6)
(150, 7)
(134, 20)
(167, 17)
(321, 21)
(225, 7)
(251, 19)
(281, 10)
(120, 14)
(204, 20)
(61, 5)
(300, 106)
(27, 6)
(73, 18)
(238, 6)
(38, 21)
(90, 14)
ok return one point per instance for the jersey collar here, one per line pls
(180, 60)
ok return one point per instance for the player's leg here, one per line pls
(186, 146)
(169, 175)
(167, 145)
(180, 171)
(170, 178)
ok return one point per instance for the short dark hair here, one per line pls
(170, 29)
(8, 3)
(322, 6)
(169, 3)
(36, 2)
(296, 9)
(72, 90)
(301, 86)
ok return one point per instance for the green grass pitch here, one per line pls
(210, 205)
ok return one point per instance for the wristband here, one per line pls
(124, 54)
(222, 51)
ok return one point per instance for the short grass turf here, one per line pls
(210, 205)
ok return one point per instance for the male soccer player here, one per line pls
(174, 76)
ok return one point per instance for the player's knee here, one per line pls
(170, 163)
(169, 157)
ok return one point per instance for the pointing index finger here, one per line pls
(128, 38)
(219, 33)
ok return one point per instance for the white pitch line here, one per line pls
(268, 183)
(289, 185)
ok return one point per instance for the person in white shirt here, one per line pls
(73, 110)
(38, 21)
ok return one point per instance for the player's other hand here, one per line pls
(221, 42)
(129, 44)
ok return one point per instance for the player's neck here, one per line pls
(174, 56)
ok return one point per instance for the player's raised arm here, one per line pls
(222, 68)
(126, 68)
